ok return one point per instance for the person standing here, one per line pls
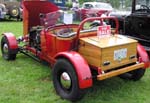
(75, 7)
(2, 9)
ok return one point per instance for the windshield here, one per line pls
(103, 6)
(142, 4)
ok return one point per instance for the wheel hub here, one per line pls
(65, 80)
(15, 12)
(5, 49)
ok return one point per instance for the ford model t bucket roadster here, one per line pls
(73, 52)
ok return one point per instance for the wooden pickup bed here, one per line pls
(108, 52)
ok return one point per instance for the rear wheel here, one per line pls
(7, 53)
(65, 80)
(133, 75)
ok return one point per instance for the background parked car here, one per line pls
(136, 23)
(92, 9)
(12, 9)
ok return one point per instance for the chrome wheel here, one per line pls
(5, 49)
(15, 12)
(65, 80)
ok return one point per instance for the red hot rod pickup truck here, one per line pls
(73, 51)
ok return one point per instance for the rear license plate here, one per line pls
(120, 54)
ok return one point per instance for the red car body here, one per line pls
(44, 40)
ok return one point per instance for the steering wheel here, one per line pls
(63, 32)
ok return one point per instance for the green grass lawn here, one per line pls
(27, 81)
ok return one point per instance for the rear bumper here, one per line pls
(120, 71)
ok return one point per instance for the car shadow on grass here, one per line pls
(113, 90)
(10, 20)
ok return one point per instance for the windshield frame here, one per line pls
(141, 2)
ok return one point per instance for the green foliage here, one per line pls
(128, 3)
(68, 4)
(115, 3)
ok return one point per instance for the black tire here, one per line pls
(72, 92)
(5, 49)
(14, 12)
(133, 75)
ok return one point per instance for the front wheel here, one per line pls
(7, 53)
(65, 80)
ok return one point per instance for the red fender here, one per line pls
(143, 56)
(81, 67)
(11, 40)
